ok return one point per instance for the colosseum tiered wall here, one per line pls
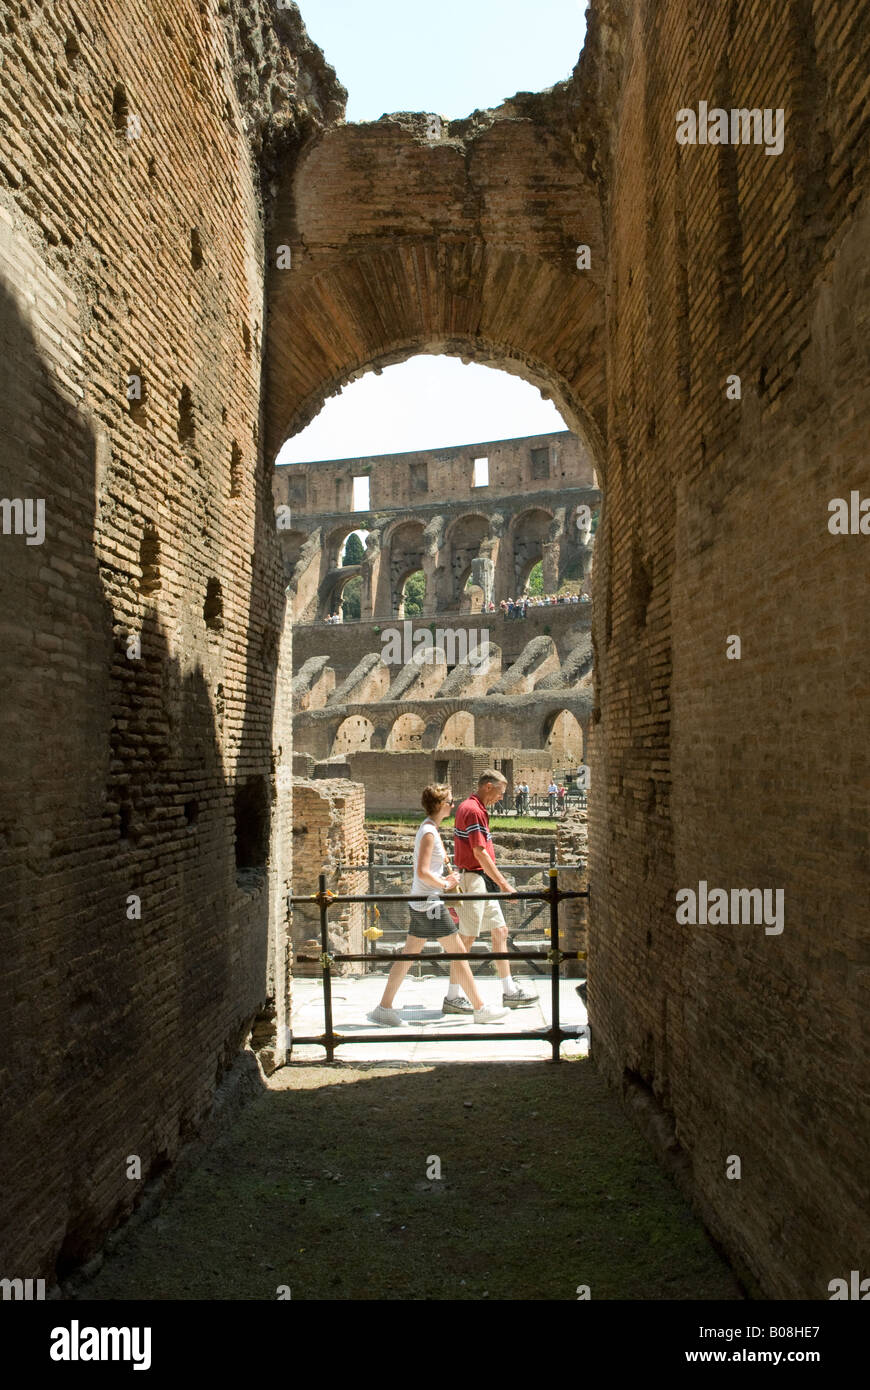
(367, 695)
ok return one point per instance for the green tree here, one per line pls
(354, 550)
(415, 592)
(535, 585)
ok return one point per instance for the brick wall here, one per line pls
(329, 838)
(397, 480)
(142, 640)
(738, 772)
(393, 783)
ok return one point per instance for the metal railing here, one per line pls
(385, 874)
(538, 804)
(329, 1039)
(423, 619)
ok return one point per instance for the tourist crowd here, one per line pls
(557, 798)
(510, 608)
(518, 608)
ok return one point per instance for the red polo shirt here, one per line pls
(471, 829)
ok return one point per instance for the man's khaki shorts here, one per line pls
(476, 917)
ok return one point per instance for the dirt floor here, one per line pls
(321, 1185)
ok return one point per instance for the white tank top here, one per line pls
(436, 864)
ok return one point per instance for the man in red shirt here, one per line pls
(474, 861)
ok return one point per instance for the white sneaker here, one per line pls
(489, 1015)
(387, 1017)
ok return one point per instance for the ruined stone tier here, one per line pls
(505, 684)
(494, 534)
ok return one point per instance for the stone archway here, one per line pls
(436, 266)
(403, 551)
(528, 537)
(332, 592)
(562, 736)
(353, 734)
(458, 730)
(407, 734)
(463, 541)
(456, 253)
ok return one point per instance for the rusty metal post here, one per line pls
(326, 968)
(555, 954)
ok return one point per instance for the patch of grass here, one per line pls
(401, 818)
(322, 1185)
(523, 822)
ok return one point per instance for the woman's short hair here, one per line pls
(433, 796)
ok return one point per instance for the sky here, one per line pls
(425, 403)
(450, 58)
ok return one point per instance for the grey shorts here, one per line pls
(431, 928)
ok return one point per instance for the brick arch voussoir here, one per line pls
(548, 719)
(474, 513)
(350, 331)
(393, 527)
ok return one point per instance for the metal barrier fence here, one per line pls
(538, 805)
(387, 877)
(552, 895)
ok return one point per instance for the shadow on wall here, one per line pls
(132, 960)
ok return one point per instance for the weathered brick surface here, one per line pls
(441, 475)
(750, 772)
(117, 777)
(466, 246)
(329, 838)
(349, 643)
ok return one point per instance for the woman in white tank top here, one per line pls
(429, 919)
(437, 857)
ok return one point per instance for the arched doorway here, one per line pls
(529, 535)
(340, 597)
(458, 731)
(352, 734)
(563, 738)
(464, 540)
(499, 291)
(412, 596)
(406, 735)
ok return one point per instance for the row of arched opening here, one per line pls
(402, 589)
(345, 599)
(561, 735)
